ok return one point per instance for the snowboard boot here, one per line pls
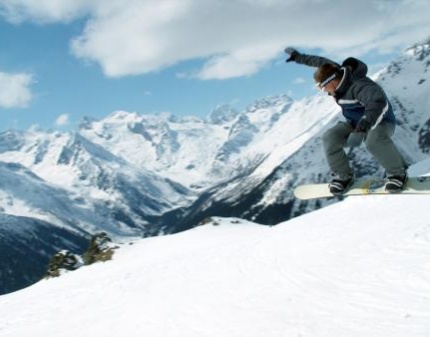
(396, 183)
(339, 186)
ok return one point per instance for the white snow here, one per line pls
(357, 268)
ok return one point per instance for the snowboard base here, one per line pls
(369, 186)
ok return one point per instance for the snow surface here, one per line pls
(357, 268)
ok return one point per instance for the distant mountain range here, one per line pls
(141, 175)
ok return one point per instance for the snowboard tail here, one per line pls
(414, 185)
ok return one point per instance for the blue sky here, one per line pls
(63, 84)
(61, 60)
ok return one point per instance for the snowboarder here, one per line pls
(369, 118)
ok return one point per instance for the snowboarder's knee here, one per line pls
(373, 142)
(330, 139)
(336, 136)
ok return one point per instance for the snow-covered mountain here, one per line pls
(136, 174)
(259, 155)
(72, 187)
(196, 153)
(357, 268)
(294, 152)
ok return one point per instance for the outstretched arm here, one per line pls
(308, 60)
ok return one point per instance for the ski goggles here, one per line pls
(322, 84)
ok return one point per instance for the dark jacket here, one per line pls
(356, 94)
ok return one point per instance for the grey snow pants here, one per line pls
(378, 142)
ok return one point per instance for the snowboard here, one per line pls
(369, 186)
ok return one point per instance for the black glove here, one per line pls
(359, 134)
(363, 125)
(292, 54)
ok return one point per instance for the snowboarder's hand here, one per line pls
(292, 54)
(355, 139)
(363, 125)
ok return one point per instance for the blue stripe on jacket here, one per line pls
(352, 110)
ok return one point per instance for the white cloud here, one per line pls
(15, 90)
(62, 120)
(246, 61)
(233, 38)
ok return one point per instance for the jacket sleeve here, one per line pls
(373, 98)
(312, 60)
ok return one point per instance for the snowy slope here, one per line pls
(407, 81)
(357, 268)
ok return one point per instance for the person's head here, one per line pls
(327, 77)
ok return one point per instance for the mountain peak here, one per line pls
(121, 116)
(420, 47)
(270, 102)
(222, 114)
